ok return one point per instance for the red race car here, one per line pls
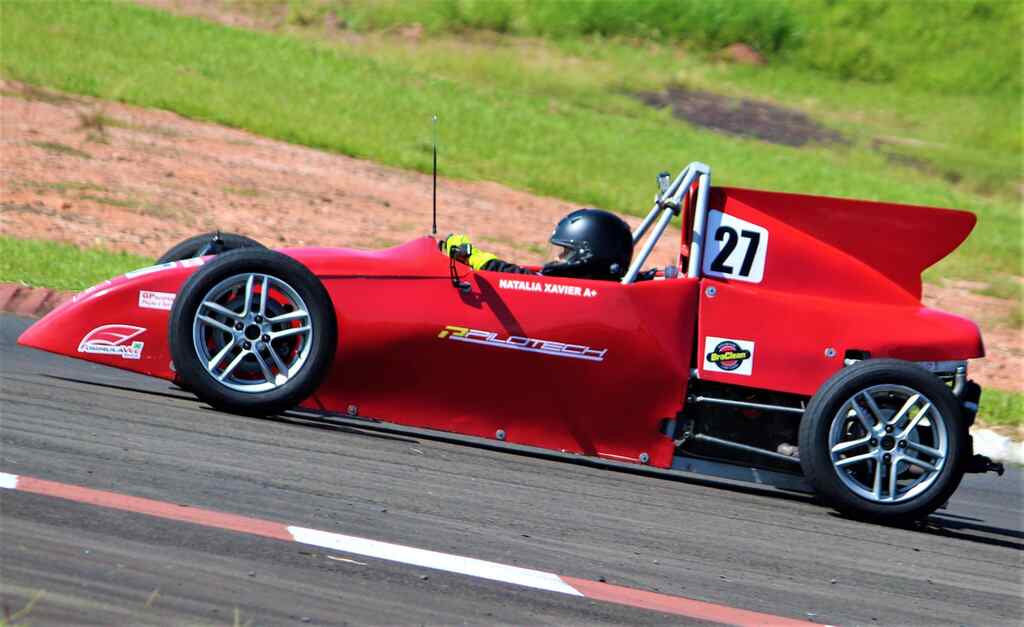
(788, 346)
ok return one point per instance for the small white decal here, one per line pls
(90, 291)
(156, 300)
(151, 269)
(113, 339)
(546, 288)
(728, 355)
(734, 248)
(192, 263)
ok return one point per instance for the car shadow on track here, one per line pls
(288, 418)
(946, 525)
(184, 396)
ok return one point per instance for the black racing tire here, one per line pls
(190, 336)
(942, 426)
(204, 245)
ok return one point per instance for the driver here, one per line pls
(590, 244)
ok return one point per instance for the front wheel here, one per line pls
(253, 332)
(883, 439)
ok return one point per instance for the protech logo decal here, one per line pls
(113, 339)
(515, 342)
(725, 355)
(546, 288)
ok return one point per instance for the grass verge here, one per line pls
(61, 266)
(594, 145)
(1003, 409)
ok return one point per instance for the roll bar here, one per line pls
(666, 205)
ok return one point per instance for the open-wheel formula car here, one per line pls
(788, 346)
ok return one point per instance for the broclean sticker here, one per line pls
(728, 355)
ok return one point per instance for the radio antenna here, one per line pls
(434, 229)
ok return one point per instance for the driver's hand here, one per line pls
(453, 241)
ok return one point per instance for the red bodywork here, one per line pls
(589, 367)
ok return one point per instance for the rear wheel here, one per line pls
(253, 332)
(214, 243)
(883, 439)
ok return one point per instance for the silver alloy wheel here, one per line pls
(252, 332)
(888, 444)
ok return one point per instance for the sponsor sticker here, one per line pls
(90, 291)
(519, 343)
(192, 263)
(727, 355)
(113, 339)
(520, 285)
(156, 300)
(151, 269)
(734, 248)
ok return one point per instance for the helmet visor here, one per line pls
(559, 252)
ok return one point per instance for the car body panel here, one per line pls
(588, 367)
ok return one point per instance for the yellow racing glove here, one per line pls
(477, 258)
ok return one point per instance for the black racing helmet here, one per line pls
(591, 244)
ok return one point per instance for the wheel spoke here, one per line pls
(919, 462)
(927, 450)
(876, 413)
(234, 363)
(248, 294)
(850, 444)
(893, 476)
(855, 459)
(216, 323)
(263, 366)
(219, 357)
(864, 419)
(224, 311)
(263, 295)
(298, 314)
(288, 332)
(876, 489)
(915, 420)
(903, 410)
(282, 369)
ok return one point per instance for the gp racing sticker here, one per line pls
(734, 248)
(519, 343)
(113, 339)
(726, 355)
(156, 300)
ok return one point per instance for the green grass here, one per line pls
(953, 46)
(550, 118)
(61, 266)
(1000, 408)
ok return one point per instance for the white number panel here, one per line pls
(734, 248)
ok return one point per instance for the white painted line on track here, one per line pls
(432, 559)
(8, 482)
(472, 567)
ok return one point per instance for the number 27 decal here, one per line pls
(734, 248)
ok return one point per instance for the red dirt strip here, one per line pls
(595, 590)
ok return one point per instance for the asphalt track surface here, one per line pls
(68, 421)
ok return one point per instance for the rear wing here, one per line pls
(832, 247)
